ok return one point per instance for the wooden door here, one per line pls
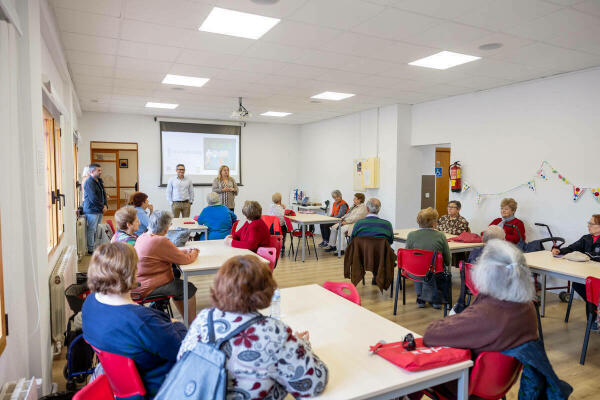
(442, 184)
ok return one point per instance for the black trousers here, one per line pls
(589, 307)
(284, 233)
(326, 231)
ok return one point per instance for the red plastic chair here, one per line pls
(414, 264)
(339, 287)
(122, 374)
(272, 223)
(98, 389)
(234, 226)
(592, 294)
(277, 242)
(308, 234)
(268, 253)
(290, 229)
(112, 226)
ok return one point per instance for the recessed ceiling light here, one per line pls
(275, 114)
(490, 46)
(184, 80)
(236, 23)
(161, 105)
(332, 96)
(265, 2)
(444, 60)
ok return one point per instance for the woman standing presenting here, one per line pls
(226, 187)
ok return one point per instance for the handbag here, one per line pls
(422, 357)
(179, 236)
(436, 285)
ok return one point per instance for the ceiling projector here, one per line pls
(241, 112)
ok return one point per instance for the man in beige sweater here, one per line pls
(357, 212)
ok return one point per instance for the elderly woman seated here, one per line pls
(428, 238)
(338, 210)
(492, 232)
(140, 201)
(112, 322)
(218, 218)
(514, 227)
(157, 254)
(127, 224)
(254, 233)
(453, 223)
(357, 212)
(280, 361)
(502, 315)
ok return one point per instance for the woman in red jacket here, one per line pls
(254, 233)
(509, 222)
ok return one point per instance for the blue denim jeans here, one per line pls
(90, 229)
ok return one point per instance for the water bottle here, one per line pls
(276, 305)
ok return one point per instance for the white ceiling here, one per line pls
(119, 51)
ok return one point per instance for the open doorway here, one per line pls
(119, 162)
(442, 179)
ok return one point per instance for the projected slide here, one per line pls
(201, 153)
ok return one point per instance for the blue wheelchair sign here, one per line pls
(438, 172)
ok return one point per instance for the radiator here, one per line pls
(63, 274)
(23, 389)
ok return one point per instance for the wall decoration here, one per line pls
(123, 163)
(531, 185)
(466, 187)
(577, 192)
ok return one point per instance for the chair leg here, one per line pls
(315, 247)
(403, 291)
(539, 320)
(392, 285)
(396, 298)
(297, 247)
(571, 293)
(586, 338)
(468, 302)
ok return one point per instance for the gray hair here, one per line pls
(336, 193)
(493, 232)
(502, 272)
(213, 198)
(160, 221)
(373, 205)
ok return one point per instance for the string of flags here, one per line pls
(543, 172)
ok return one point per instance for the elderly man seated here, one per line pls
(357, 212)
(218, 218)
(372, 225)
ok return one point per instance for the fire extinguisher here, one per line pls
(455, 180)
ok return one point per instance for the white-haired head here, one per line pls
(502, 272)
(160, 221)
(213, 198)
(493, 232)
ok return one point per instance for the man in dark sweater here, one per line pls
(372, 225)
(94, 204)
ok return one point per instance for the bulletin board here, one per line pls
(365, 173)
(358, 175)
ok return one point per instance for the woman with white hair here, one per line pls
(156, 255)
(502, 315)
(218, 218)
(492, 232)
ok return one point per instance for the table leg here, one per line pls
(339, 241)
(543, 309)
(185, 299)
(303, 240)
(463, 385)
(206, 234)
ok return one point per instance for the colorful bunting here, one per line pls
(596, 193)
(577, 192)
(466, 187)
(531, 185)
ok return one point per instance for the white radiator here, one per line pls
(23, 389)
(63, 274)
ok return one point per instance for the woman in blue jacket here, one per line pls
(218, 218)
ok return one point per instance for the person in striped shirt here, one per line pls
(372, 225)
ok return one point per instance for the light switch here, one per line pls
(427, 195)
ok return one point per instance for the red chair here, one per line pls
(290, 229)
(277, 243)
(492, 377)
(272, 223)
(414, 264)
(268, 253)
(122, 374)
(339, 287)
(112, 226)
(308, 234)
(98, 389)
(234, 226)
(592, 294)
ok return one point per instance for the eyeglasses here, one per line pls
(592, 224)
(180, 169)
(409, 342)
(452, 207)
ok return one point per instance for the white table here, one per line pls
(545, 264)
(341, 333)
(309, 219)
(400, 236)
(308, 208)
(191, 224)
(213, 253)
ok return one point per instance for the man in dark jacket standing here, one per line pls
(94, 204)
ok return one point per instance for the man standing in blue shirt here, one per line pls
(180, 193)
(95, 204)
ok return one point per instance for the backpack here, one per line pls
(200, 374)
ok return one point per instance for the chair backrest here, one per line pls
(122, 374)
(277, 242)
(98, 389)
(272, 223)
(416, 262)
(288, 224)
(112, 226)
(234, 227)
(268, 253)
(468, 268)
(339, 287)
(592, 289)
(493, 375)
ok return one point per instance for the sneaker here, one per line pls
(437, 306)
(90, 253)
(323, 244)
(330, 249)
(421, 303)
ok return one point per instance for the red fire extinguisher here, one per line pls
(455, 180)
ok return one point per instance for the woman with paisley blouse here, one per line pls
(266, 360)
(453, 223)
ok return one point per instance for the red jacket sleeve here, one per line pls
(237, 235)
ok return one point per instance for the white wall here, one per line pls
(269, 156)
(502, 135)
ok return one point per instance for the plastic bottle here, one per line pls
(276, 305)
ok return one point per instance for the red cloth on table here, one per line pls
(466, 237)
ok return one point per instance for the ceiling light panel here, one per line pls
(161, 105)
(236, 23)
(444, 60)
(332, 96)
(276, 114)
(184, 80)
